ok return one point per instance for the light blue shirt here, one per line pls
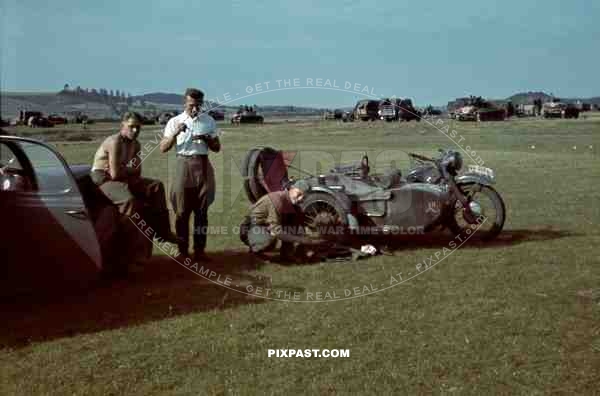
(203, 124)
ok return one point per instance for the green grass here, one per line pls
(518, 316)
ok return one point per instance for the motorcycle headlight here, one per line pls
(458, 161)
(453, 161)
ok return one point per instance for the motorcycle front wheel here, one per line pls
(487, 207)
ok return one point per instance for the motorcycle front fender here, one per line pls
(474, 178)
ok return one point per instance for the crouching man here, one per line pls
(276, 216)
(117, 171)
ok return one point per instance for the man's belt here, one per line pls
(192, 156)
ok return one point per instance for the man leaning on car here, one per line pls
(117, 171)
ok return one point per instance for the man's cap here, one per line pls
(302, 185)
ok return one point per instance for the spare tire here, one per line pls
(264, 171)
(254, 174)
(250, 158)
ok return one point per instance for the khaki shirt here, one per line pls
(118, 153)
(268, 210)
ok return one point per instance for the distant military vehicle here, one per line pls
(431, 111)
(148, 119)
(366, 110)
(36, 119)
(478, 109)
(405, 111)
(217, 114)
(163, 118)
(56, 119)
(525, 110)
(387, 110)
(247, 116)
(558, 109)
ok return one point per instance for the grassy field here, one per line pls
(520, 315)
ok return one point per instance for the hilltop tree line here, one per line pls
(99, 94)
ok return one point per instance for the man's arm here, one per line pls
(135, 170)
(113, 148)
(273, 218)
(171, 132)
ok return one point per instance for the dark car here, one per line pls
(59, 228)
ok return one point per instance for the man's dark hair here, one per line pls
(194, 94)
(132, 115)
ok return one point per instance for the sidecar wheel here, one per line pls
(323, 215)
(494, 212)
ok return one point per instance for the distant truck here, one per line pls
(366, 110)
(387, 110)
(526, 110)
(405, 111)
(333, 115)
(478, 109)
(557, 109)
(247, 117)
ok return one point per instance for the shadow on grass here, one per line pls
(506, 238)
(163, 290)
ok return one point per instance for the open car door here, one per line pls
(47, 236)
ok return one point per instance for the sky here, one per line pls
(430, 51)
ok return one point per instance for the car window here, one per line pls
(8, 158)
(50, 173)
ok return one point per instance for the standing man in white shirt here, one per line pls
(193, 189)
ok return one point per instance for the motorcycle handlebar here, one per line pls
(421, 157)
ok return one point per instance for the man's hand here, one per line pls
(167, 142)
(213, 143)
(180, 128)
(203, 137)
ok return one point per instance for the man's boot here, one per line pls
(163, 228)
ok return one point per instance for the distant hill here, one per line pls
(161, 98)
